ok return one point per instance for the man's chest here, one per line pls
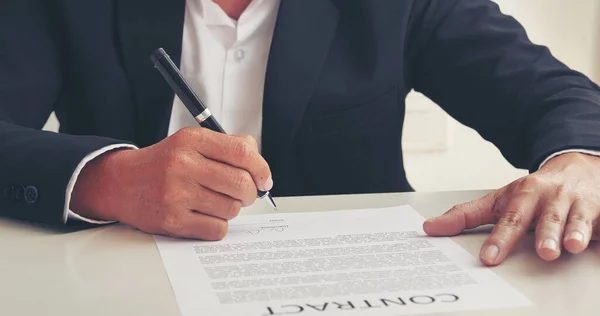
(323, 58)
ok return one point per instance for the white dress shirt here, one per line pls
(225, 63)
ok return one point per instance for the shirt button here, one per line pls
(239, 55)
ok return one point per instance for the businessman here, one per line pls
(313, 91)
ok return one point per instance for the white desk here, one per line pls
(116, 270)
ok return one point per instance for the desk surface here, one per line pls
(115, 270)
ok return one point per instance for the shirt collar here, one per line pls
(213, 15)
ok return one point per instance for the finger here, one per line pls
(550, 227)
(464, 216)
(214, 204)
(231, 181)
(578, 230)
(254, 144)
(189, 224)
(248, 138)
(510, 228)
(238, 151)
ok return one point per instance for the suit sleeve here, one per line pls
(35, 165)
(479, 65)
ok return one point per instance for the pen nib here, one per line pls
(271, 201)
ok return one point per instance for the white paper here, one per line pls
(356, 262)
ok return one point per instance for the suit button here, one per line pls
(8, 193)
(19, 193)
(31, 194)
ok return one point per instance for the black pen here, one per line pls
(161, 61)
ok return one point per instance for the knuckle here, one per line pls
(189, 137)
(562, 191)
(512, 219)
(531, 183)
(183, 135)
(242, 150)
(233, 209)
(579, 217)
(497, 208)
(250, 140)
(217, 229)
(244, 181)
(551, 217)
(573, 168)
(250, 198)
(179, 160)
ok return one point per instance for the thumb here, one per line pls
(463, 216)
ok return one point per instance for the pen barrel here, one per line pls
(212, 124)
(176, 81)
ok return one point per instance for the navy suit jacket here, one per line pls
(337, 78)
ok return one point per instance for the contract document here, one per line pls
(354, 262)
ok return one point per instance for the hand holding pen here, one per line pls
(195, 106)
(188, 185)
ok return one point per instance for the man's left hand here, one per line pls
(561, 201)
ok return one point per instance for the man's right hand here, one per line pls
(188, 185)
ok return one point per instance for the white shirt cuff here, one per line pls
(583, 151)
(70, 215)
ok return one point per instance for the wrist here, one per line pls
(566, 157)
(93, 194)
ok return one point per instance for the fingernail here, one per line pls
(490, 253)
(549, 243)
(575, 236)
(269, 184)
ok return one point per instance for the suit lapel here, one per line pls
(303, 34)
(142, 27)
